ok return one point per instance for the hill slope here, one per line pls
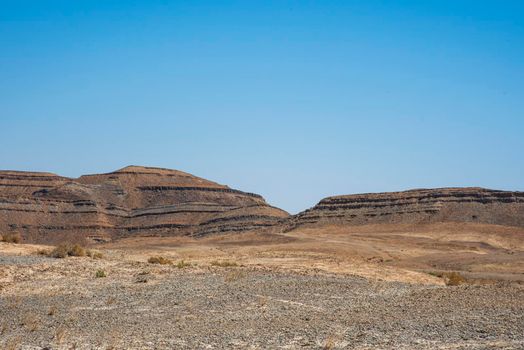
(45, 207)
(476, 205)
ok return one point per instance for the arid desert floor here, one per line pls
(364, 287)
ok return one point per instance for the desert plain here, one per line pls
(335, 287)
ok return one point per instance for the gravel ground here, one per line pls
(59, 304)
(22, 260)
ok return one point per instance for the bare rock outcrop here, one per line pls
(135, 200)
(417, 206)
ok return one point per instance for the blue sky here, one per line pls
(295, 100)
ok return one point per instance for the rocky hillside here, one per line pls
(417, 206)
(44, 207)
(135, 200)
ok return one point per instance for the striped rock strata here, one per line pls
(135, 200)
(417, 206)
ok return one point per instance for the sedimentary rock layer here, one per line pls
(417, 206)
(132, 201)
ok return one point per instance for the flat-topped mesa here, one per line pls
(131, 201)
(417, 206)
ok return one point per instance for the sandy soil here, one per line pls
(405, 253)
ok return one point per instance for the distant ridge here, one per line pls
(149, 201)
(469, 204)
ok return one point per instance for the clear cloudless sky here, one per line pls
(295, 100)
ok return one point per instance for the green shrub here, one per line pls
(181, 264)
(100, 274)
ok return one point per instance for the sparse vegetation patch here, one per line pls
(51, 311)
(100, 274)
(454, 279)
(450, 278)
(182, 264)
(65, 250)
(159, 260)
(94, 255)
(43, 252)
(435, 274)
(224, 263)
(234, 275)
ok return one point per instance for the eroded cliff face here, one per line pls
(417, 206)
(135, 200)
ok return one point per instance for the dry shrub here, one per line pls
(235, 275)
(31, 322)
(13, 343)
(51, 311)
(142, 277)
(181, 264)
(224, 263)
(65, 250)
(77, 250)
(94, 255)
(159, 260)
(43, 252)
(262, 300)
(436, 274)
(329, 344)
(450, 278)
(59, 252)
(334, 341)
(60, 334)
(454, 279)
(11, 238)
(15, 302)
(98, 255)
